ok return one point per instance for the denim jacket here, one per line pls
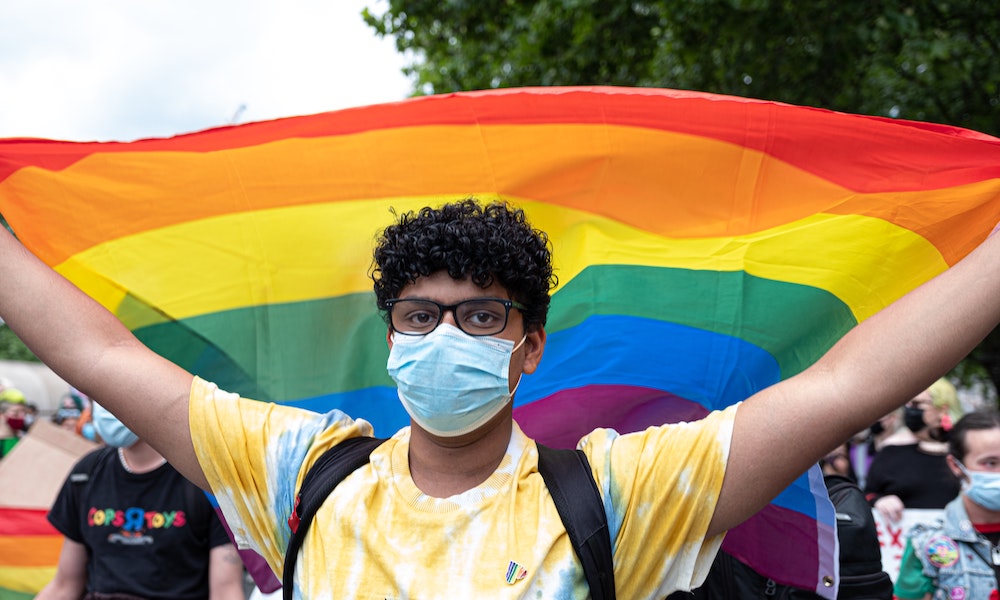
(955, 556)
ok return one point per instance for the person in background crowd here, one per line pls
(85, 426)
(13, 419)
(838, 462)
(917, 475)
(863, 447)
(135, 529)
(12, 395)
(30, 414)
(73, 407)
(958, 558)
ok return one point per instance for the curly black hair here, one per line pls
(467, 239)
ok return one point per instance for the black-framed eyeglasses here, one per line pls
(476, 317)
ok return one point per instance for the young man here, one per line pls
(136, 529)
(453, 505)
(959, 557)
(13, 419)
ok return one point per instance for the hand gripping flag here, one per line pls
(706, 247)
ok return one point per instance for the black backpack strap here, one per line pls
(571, 484)
(325, 474)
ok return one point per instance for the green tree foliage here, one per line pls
(931, 60)
(924, 60)
(11, 346)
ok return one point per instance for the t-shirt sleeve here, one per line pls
(911, 582)
(65, 512)
(660, 487)
(217, 535)
(253, 454)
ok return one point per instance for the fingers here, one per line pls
(890, 507)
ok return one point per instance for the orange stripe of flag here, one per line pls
(120, 187)
(30, 550)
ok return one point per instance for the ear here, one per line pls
(953, 465)
(534, 346)
(388, 337)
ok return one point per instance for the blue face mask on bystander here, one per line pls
(982, 487)
(112, 431)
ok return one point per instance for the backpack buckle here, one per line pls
(293, 519)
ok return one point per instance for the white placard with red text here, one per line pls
(892, 536)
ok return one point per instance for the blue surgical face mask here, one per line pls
(449, 382)
(87, 431)
(983, 487)
(112, 431)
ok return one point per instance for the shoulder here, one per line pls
(93, 459)
(920, 530)
(935, 549)
(894, 454)
(929, 535)
(661, 454)
(248, 431)
(900, 437)
(254, 453)
(898, 450)
(211, 405)
(715, 428)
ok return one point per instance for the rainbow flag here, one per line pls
(706, 247)
(29, 551)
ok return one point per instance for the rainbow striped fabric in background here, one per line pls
(29, 551)
(706, 247)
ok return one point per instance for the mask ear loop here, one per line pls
(521, 376)
(968, 476)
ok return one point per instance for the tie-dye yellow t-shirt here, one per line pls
(378, 536)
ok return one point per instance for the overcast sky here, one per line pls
(128, 69)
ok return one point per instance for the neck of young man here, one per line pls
(142, 458)
(443, 467)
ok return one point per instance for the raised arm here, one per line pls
(879, 365)
(91, 349)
